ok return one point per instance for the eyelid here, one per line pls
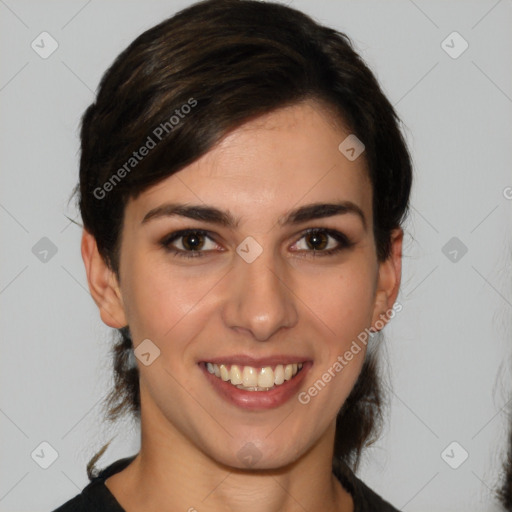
(343, 242)
(175, 235)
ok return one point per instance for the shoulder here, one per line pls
(92, 498)
(96, 497)
(365, 499)
(370, 501)
(76, 504)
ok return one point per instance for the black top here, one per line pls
(96, 497)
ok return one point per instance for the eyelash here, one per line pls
(343, 241)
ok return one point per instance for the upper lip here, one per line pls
(245, 360)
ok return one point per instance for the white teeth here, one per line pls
(254, 379)
(249, 377)
(266, 377)
(279, 375)
(236, 375)
(224, 374)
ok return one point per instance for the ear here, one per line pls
(388, 284)
(103, 284)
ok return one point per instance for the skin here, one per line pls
(287, 301)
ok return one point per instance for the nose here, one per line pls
(259, 299)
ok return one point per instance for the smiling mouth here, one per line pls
(251, 378)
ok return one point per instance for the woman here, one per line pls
(243, 182)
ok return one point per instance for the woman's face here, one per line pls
(248, 294)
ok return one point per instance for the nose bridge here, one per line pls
(259, 300)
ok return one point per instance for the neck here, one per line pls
(170, 473)
(177, 485)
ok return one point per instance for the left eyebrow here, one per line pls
(223, 218)
(322, 210)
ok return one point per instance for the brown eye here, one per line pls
(317, 241)
(189, 243)
(193, 241)
(322, 242)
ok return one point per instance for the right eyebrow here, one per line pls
(196, 212)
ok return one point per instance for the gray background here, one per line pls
(447, 353)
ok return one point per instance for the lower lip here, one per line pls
(257, 400)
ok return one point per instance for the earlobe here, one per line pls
(390, 272)
(103, 284)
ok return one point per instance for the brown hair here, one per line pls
(186, 83)
(505, 492)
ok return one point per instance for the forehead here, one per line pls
(268, 166)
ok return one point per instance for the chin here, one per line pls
(259, 454)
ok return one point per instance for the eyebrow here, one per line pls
(223, 218)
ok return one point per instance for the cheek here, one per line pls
(163, 300)
(342, 299)
(340, 304)
(350, 306)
